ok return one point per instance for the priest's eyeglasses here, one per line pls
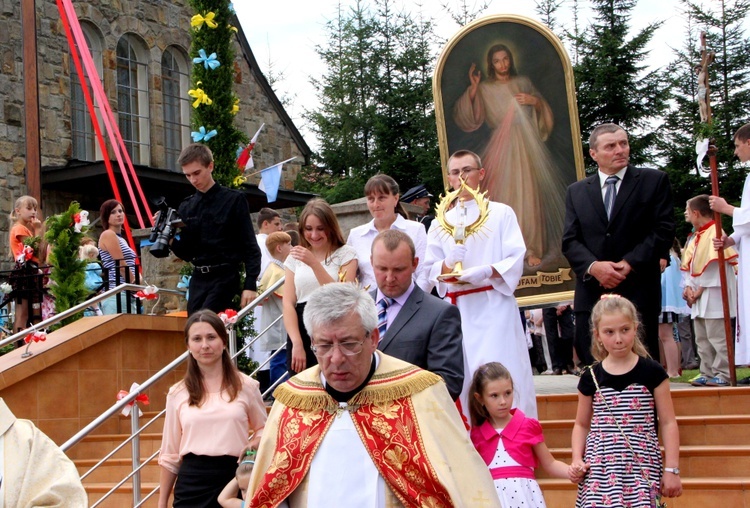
(349, 348)
(463, 171)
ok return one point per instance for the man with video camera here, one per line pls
(217, 237)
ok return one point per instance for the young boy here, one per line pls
(703, 293)
(278, 244)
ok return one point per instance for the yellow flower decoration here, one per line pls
(239, 180)
(198, 20)
(236, 107)
(200, 96)
(232, 28)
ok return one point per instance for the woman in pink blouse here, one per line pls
(209, 416)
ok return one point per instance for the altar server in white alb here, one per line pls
(492, 261)
(740, 238)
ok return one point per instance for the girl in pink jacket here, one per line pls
(511, 444)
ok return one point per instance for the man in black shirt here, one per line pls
(217, 237)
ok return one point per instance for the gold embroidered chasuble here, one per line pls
(34, 470)
(407, 423)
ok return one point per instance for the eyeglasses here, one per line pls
(349, 348)
(463, 171)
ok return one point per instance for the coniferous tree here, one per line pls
(575, 36)
(376, 110)
(729, 100)
(612, 82)
(344, 120)
(681, 123)
(405, 130)
(547, 10)
(729, 80)
(464, 14)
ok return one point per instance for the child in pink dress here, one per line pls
(511, 444)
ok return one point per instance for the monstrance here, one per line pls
(461, 231)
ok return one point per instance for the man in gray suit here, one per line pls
(419, 328)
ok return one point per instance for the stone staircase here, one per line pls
(714, 446)
(714, 451)
(89, 451)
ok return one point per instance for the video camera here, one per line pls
(165, 228)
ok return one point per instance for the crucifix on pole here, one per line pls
(704, 103)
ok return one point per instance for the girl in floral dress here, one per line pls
(621, 400)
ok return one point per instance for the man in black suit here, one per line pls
(618, 223)
(419, 328)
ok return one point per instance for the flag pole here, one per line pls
(269, 167)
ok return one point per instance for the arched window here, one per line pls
(85, 147)
(132, 97)
(175, 81)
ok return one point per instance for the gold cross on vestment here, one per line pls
(483, 501)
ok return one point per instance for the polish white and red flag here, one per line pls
(245, 159)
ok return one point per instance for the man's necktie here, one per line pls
(383, 305)
(610, 194)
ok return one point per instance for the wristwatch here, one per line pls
(673, 470)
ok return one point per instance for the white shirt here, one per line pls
(305, 281)
(265, 256)
(351, 482)
(603, 181)
(393, 309)
(361, 239)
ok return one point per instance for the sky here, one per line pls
(285, 35)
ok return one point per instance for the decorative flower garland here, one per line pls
(212, 98)
(64, 234)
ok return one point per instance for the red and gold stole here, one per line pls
(384, 417)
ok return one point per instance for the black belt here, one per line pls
(222, 267)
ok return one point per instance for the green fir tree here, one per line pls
(376, 111)
(729, 101)
(612, 82)
(729, 80)
(68, 271)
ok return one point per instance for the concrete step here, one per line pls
(719, 430)
(99, 445)
(123, 497)
(115, 470)
(695, 461)
(697, 493)
(707, 401)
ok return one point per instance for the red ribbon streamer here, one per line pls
(70, 20)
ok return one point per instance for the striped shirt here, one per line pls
(108, 265)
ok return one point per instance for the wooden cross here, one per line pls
(704, 102)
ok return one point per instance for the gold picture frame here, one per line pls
(536, 109)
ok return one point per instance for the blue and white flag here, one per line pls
(270, 179)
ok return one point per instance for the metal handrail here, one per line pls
(119, 405)
(80, 308)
